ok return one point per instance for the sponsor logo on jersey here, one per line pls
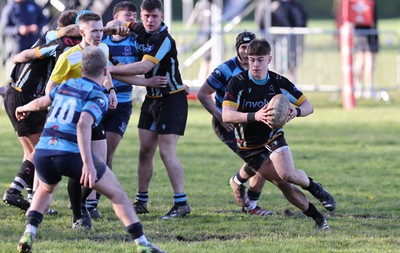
(145, 48)
(127, 51)
(53, 141)
(254, 104)
(101, 102)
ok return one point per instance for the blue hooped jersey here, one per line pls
(122, 52)
(220, 77)
(70, 99)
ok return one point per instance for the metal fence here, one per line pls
(316, 58)
(309, 57)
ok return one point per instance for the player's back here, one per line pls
(31, 77)
(70, 99)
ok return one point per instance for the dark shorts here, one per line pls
(33, 123)
(165, 115)
(366, 43)
(98, 132)
(117, 120)
(50, 169)
(255, 157)
(226, 137)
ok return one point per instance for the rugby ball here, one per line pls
(280, 108)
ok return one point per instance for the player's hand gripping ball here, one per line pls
(279, 107)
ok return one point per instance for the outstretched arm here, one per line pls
(153, 82)
(38, 104)
(137, 68)
(26, 55)
(70, 30)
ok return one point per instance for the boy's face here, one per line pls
(92, 32)
(126, 16)
(151, 20)
(259, 66)
(242, 53)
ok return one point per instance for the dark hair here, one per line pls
(124, 6)
(91, 16)
(259, 47)
(243, 38)
(67, 18)
(151, 5)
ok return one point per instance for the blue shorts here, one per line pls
(51, 168)
(117, 120)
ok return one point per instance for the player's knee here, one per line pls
(287, 176)
(282, 185)
(118, 196)
(167, 154)
(145, 153)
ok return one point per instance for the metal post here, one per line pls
(346, 33)
(267, 19)
(216, 33)
(187, 8)
(168, 13)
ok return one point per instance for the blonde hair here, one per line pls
(93, 61)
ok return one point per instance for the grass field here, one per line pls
(354, 154)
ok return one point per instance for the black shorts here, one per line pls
(366, 43)
(117, 120)
(98, 132)
(33, 124)
(165, 115)
(50, 169)
(255, 157)
(226, 137)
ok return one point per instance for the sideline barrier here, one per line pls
(316, 56)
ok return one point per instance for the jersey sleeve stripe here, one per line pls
(230, 103)
(151, 58)
(37, 52)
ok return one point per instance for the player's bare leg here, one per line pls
(167, 145)
(148, 145)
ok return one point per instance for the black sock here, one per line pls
(312, 187)
(135, 230)
(85, 194)
(91, 203)
(180, 199)
(240, 179)
(142, 197)
(24, 177)
(313, 212)
(27, 172)
(254, 196)
(75, 193)
(34, 218)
